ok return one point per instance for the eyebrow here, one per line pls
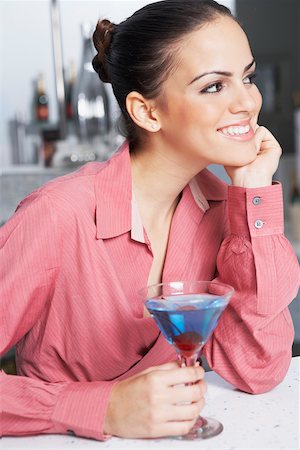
(220, 72)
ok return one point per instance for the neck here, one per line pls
(159, 177)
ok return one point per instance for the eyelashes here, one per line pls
(213, 88)
(251, 77)
(216, 87)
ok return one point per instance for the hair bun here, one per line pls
(102, 38)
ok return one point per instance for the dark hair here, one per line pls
(138, 54)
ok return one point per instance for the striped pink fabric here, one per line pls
(73, 258)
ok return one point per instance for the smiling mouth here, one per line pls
(235, 130)
(238, 132)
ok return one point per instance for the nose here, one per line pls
(245, 98)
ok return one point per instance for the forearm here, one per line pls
(251, 352)
(251, 346)
(34, 407)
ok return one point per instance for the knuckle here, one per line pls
(202, 372)
(185, 427)
(201, 404)
(151, 417)
(204, 387)
(151, 401)
(152, 380)
(196, 373)
(195, 409)
(197, 392)
(192, 374)
(199, 372)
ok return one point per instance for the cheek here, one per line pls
(258, 99)
(213, 112)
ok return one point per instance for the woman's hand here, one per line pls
(260, 171)
(156, 402)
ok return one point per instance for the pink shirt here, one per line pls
(73, 258)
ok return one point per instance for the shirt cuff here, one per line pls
(81, 409)
(256, 211)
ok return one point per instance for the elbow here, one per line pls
(267, 376)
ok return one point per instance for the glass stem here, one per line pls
(186, 361)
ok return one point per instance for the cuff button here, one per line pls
(258, 224)
(256, 201)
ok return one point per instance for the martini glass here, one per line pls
(187, 312)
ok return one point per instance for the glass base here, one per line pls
(204, 428)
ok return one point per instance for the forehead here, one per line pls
(219, 44)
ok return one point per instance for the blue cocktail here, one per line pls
(187, 313)
(187, 321)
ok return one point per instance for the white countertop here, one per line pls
(266, 421)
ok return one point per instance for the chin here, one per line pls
(244, 157)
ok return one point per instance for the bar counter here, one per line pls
(265, 421)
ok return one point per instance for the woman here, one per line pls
(78, 250)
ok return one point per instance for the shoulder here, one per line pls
(73, 191)
(78, 184)
(74, 194)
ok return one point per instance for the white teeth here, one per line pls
(233, 131)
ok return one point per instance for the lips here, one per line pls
(235, 130)
(242, 130)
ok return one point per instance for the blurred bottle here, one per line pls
(41, 100)
(90, 101)
(69, 89)
(295, 193)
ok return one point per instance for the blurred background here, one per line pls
(55, 114)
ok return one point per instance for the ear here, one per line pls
(142, 112)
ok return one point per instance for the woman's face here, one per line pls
(209, 105)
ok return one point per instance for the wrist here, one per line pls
(252, 183)
(110, 420)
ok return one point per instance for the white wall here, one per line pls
(26, 49)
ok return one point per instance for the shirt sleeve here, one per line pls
(251, 345)
(29, 261)
(31, 406)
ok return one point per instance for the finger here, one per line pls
(173, 428)
(183, 375)
(191, 393)
(184, 412)
(173, 365)
(259, 137)
(167, 366)
(264, 138)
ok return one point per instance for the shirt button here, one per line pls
(258, 224)
(256, 201)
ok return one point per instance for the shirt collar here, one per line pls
(116, 208)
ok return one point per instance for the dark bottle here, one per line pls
(295, 192)
(41, 103)
(70, 91)
(91, 101)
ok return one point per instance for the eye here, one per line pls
(249, 79)
(213, 88)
